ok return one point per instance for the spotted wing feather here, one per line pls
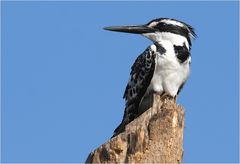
(140, 78)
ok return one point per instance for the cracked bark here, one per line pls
(156, 136)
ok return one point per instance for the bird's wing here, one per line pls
(140, 78)
(141, 74)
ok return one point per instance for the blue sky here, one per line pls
(63, 77)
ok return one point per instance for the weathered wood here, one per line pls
(154, 137)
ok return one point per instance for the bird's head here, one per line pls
(177, 32)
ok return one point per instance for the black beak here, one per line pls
(140, 29)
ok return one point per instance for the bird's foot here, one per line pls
(165, 96)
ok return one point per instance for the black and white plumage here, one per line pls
(162, 68)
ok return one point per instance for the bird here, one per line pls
(163, 68)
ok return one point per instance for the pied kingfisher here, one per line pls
(162, 68)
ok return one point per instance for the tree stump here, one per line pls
(156, 136)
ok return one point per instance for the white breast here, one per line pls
(169, 73)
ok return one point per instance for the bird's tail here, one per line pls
(130, 114)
